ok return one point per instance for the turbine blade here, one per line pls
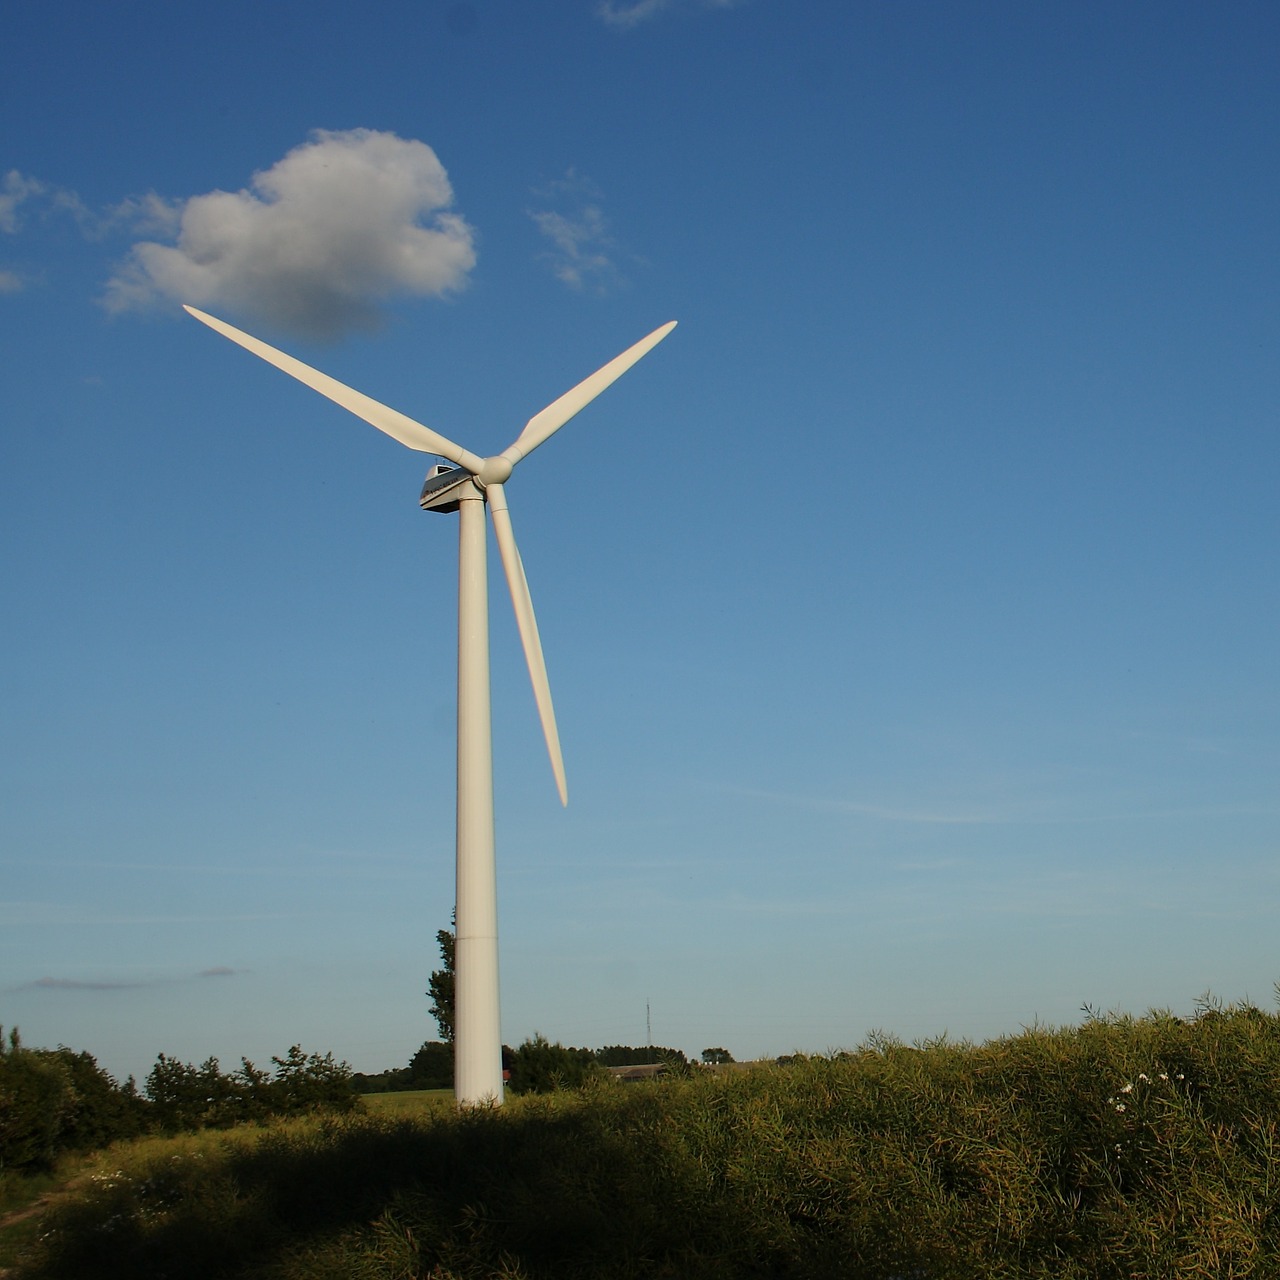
(545, 424)
(528, 625)
(393, 423)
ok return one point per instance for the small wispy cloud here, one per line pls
(316, 245)
(77, 984)
(109, 984)
(582, 247)
(631, 13)
(23, 197)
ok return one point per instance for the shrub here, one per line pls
(36, 1100)
(184, 1097)
(538, 1066)
(54, 1100)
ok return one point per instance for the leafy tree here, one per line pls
(625, 1055)
(36, 1098)
(187, 1097)
(310, 1082)
(538, 1066)
(256, 1091)
(102, 1111)
(716, 1056)
(392, 1081)
(431, 1067)
(54, 1100)
(440, 987)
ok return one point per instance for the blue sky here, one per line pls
(911, 611)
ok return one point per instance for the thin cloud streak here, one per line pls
(625, 16)
(101, 984)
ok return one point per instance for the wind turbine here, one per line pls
(467, 487)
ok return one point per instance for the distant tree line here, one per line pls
(56, 1100)
(537, 1066)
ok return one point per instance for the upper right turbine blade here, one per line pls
(545, 424)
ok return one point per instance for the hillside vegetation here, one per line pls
(1122, 1148)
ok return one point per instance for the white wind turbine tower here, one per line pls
(466, 488)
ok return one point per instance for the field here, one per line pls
(1125, 1148)
(410, 1102)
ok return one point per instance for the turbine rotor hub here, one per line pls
(495, 470)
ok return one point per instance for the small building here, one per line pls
(638, 1071)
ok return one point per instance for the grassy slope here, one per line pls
(1124, 1148)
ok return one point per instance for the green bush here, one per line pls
(102, 1111)
(538, 1066)
(54, 1100)
(36, 1100)
(184, 1097)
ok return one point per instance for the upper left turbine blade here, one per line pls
(391, 421)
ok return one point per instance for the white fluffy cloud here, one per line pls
(317, 243)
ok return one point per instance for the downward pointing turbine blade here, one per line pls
(545, 424)
(528, 626)
(395, 424)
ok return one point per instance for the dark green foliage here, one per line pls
(431, 1067)
(310, 1082)
(538, 1066)
(440, 986)
(396, 1080)
(716, 1057)
(36, 1100)
(103, 1111)
(54, 1100)
(184, 1097)
(187, 1097)
(625, 1055)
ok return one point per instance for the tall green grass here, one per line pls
(1134, 1148)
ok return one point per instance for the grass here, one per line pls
(1125, 1149)
(407, 1102)
(25, 1196)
